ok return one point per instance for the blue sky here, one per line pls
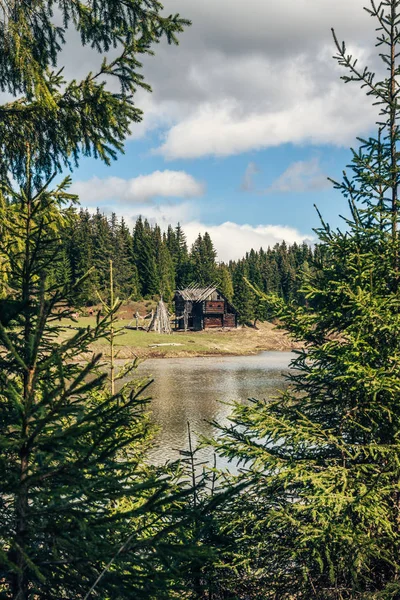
(247, 119)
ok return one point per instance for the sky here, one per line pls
(247, 119)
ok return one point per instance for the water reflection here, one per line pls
(196, 390)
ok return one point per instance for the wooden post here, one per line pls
(112, 365)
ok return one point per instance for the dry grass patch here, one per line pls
(235, 342)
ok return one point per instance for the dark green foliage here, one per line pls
(177, 246)
(79, 242)
(102, 249)
(224, 281)
(78, 502)
(147, 262)
(202, 259)
(60, 118)
(166, 269)
(88, 243)
(144, 255)
(125, 272)
(82, 515)
(277, 270)
(322, 462)
(244, 297)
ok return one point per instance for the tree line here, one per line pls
(149, 262)
(314, 508)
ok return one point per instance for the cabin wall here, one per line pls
(230, 320)
(217, 313)
(214, 321)
(214, 306)
(214, 312)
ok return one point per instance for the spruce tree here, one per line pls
(243, 297)
(80, 511)
(144, 255)
(82, 515)
(202, 258)
(102, 250)
(253, 268)
(60, 118)
(210, 255)
(78, 240)
(224, 281)
(196, 260)
(181, 259)
(125, 273)
(322, 461)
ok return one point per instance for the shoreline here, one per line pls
(125, 353)
(243, 341)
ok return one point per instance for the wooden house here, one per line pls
(203, 307)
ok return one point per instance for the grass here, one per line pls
(236, 342)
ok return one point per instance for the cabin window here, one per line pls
(218, 297)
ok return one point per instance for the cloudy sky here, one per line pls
(247, 119)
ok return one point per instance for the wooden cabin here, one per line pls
(203, 307)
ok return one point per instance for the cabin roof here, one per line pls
(196, 292)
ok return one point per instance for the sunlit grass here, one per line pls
(200, 343)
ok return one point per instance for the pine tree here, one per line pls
(271, 275)
(209, 257)
(63, 273)
(80, 511)
(79, 506)
(253, 268)
(125, 273)
(145, 259)
(196, 260)
(166, 273)
(180, 257)
(102, 250)
(202, 258)
(243, 296)
(59, 118)
(322, 462)
(165, 268)
(224, 281)
(78, 240)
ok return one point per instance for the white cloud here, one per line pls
(247, 184)
(300, 176)
(166, 214)
(144, 188)
(232, 240)
(248, 86)
(225, 128)
(162, 214)
(251, 75)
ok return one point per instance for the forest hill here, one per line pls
(149, 262)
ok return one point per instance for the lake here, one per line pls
(194, 390)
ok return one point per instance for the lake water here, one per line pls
(194, 390)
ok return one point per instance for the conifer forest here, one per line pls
(309, 505)
(148, 262)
